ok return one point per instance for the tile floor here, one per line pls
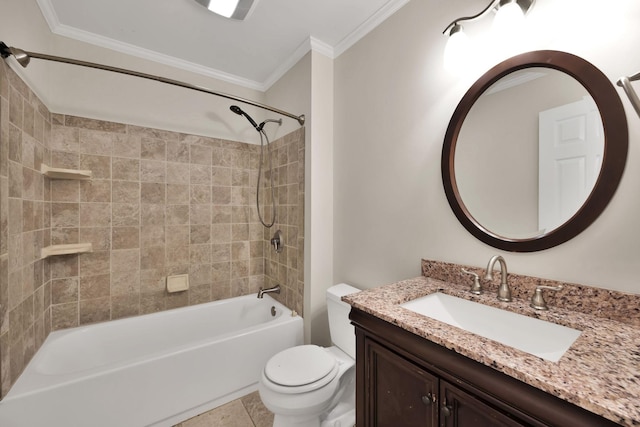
(248, 411)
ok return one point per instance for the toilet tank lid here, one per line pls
(336, 292)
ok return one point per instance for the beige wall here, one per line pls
(393, 101)
(308, 87)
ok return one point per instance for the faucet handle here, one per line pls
(476, 288)
(537, 300)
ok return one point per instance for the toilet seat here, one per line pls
(299, 369)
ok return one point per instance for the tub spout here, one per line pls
(275, 290)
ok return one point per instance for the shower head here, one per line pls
(239, 112)
(20, 55)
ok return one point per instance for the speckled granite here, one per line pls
(612, 305)
(600, 372)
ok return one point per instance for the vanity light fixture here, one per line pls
(509, 14)
(232, 9)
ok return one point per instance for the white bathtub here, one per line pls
(152, 370)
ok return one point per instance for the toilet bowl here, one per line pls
(312, 386)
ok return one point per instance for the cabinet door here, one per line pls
(400, 393)
(460, 409)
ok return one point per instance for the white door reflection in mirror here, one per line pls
(571, 145)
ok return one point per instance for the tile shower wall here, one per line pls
(286, 268)
(25, 292)
(159, 203)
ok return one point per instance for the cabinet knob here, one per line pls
(446, 411)
(429, 398)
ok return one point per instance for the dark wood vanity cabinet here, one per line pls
(461, 409)
(400, 393)
(403, 380)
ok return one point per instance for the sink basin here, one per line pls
(534, 336)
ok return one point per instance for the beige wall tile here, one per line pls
(94, 263)
(64, 290)
(178, 173)
(126, 214)
(200, 155)
(125, 192)
(125, 237)
(94, 287)
(177, 194)
(65, 139)
(178, 151)
(126, 169)
(200, 234)
(200, 194)
(152, 235)
(96, 142)
(95, 310)
(127, 146)
(200, 254)
(125, 283)
(125, 260)
(177, 215)
(65, 191)
(100, 166)
(200, 174)
(95, 214)
(124, 306)
(152, 171)
(152, 193)
(85, 123)
(221, 195)
(95, 191)
(64, 315)
(153, 149)
(152, 257)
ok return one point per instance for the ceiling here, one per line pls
(253, 53)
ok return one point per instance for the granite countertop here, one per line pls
(600, 372)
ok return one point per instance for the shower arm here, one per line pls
(23, 57)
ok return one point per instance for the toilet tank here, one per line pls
(340, 327)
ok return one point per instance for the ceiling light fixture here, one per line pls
(509, 14)
(232, 9)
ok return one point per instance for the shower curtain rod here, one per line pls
(23, 58)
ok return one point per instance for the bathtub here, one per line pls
(152, 370)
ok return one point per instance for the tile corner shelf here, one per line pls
(74, 248)
(60, 173)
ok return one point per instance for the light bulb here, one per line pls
(456, 51)
(223, 7)
(509, 18)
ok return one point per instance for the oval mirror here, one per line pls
(534, 151)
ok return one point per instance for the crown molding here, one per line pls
(363, 29)
(129, 49)
(311, 43)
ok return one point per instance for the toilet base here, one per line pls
(341, 416)
(287, 421)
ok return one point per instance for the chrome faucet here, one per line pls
(275, 290)
(504, 292)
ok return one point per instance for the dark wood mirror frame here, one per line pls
(616, 140)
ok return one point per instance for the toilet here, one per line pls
(312, 386)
